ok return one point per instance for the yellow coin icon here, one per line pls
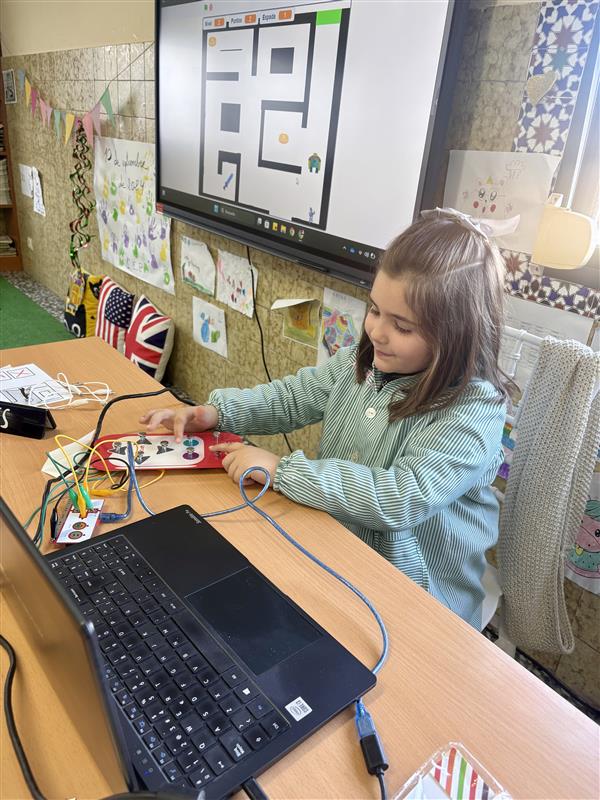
(212, 40)
(284, 138)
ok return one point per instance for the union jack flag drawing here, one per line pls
(114, 313)
(149, 340)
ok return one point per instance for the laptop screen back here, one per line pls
(59, 639)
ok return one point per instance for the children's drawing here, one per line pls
(197, 265)
(491, 185)
(234, 282)
(341, 323)
(209, 326)
(133, 236)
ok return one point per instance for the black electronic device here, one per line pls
(23, 420)
(181, 663)
(311, 130)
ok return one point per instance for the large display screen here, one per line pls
(302, 129)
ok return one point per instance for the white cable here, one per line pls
(99, 394)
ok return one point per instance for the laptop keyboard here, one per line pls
(196, 713)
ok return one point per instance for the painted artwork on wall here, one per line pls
(133, 236)
(235, 282)
(197, 265)
(209, 326)
(497, 186)
(341, 323)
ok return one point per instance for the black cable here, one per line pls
(20, 753)
(382, 785)
(10, 722)
(254, 790)
(262, 337)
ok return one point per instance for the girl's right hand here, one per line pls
(181, 420)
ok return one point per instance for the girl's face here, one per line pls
(392, 329)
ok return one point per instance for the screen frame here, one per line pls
(344, 269)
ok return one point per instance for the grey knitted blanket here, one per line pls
(558, 435)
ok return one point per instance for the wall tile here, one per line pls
(137, 61)
(505, 39)
(580, 670)
(123, 62)
(99, 65)
(124, 105)
(149, 95)
(149, 62)
(138, 129)
(138, 99)
(110, 56)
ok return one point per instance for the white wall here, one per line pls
(40, 26)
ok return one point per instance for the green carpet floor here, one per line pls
(23, 322)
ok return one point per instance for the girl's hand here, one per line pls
(180, 420)
(240, 457)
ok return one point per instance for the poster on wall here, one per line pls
(197, 265)
(341, 323)
(208, 324)
(497, 186)
(133, 236)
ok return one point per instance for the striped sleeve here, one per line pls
(439, 465)
(282, 405)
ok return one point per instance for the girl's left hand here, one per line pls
(240, 457)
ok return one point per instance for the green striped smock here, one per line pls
(416, 490)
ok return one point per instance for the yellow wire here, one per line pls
(94, 451)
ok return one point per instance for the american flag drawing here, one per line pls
(114, 314)
(149, 340)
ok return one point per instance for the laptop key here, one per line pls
(180, 706)
(218, 760)
(184, 680)
(274, 724)
(151, 740)
(203, 739)
(174, 666)
(218, 723)
(145, 697)
(177, 743)
(155, 712)
(172, 772)
(206, 707)
(196, 663)
(162, 755)
(142, 725)
(246, 691)
(218, 690)
(150, 666)
(259, 707)
(191, 723)
(195, 693)
(157, 679)
(168, 692)
(256, 737)
(201, 776)
(234, 744)
(230, 704)
(190, 759)
(206, 676)
(123, 697)
(167, 726)
(234, 676)
(132, 711)
(242, 719)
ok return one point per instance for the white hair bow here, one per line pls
(488, 228)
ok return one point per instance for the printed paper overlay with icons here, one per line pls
(161, 451)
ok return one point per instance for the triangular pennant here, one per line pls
(21, 77)
(88, 127)
(69, 119)
(44, 110)
(48, 113)
(105, 100)
(27, 91)
(57, 122)
(34, 97)
(95, 112)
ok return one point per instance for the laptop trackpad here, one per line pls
(259, 623)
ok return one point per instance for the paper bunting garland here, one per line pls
(90, 121)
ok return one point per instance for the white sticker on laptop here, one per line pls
(298, 708)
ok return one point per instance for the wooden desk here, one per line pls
(443, 681)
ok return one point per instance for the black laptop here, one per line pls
(181, 665)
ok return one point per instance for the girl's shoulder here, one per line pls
(479, 397)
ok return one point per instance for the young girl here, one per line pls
(412, 415)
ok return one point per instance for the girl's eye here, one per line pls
(374, 310)
(400, 329)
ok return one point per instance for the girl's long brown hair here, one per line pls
(454, 285)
